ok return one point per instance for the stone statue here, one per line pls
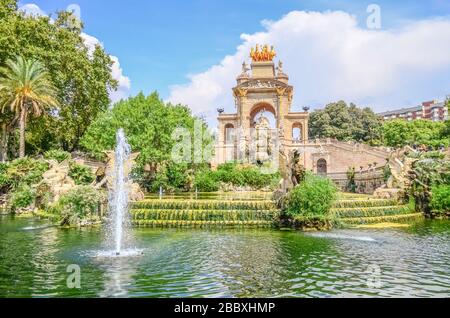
(135, 192)
(280, 67)
(245, 68)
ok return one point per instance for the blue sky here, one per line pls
(159, 43)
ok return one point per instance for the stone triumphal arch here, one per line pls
(260, 90)
(263, 103)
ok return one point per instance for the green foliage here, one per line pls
(204, 205)
(82, 175)
(25, 89)
(203, 224)
(351, 184)
(25, 171)
(149, 124)
(427, 173)
(235, 175)
(337, 120)
(83, 79)
(204, 215)
(56, 154)
(79, 204)
(206, 181)
(440, 198)
(22, 197)
(312, 198)
(387, 173)
(371, 211)
(399, 133)
(4, 178)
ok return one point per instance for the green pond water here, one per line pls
(412, 262)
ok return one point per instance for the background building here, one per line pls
(431, 110)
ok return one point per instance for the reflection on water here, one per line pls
(228, 263)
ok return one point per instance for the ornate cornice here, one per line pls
(261, 85)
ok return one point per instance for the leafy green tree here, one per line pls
(148, 123)
(25, 88)
(343, 122)
(398, 133)
(81, 75)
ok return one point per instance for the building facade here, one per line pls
(431, 110)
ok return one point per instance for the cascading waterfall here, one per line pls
(118, 201)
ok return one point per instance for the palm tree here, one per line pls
(25, 87)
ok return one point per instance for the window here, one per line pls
(229, 134)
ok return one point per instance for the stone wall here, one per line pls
(367, 181)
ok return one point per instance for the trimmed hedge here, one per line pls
(371, 211)
(202, 224)
(204, 215)
(204, 205)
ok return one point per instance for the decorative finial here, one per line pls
(306, 109)
(264, 55)
(220, 111)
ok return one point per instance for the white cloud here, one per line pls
(123, 90)
(90, 41)
(329, 57)
(124, 82)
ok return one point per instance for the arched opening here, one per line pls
(229, 134)
(322, 168)
(263, 109)
(297, 133)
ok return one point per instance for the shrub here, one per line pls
(312, 198)
(206, 181)
(440, 198)
(80, 203)
(82, 175)
(58, 155)
(236, 175)
(4, 178)
(22, 197)
(26, 171)
(351, 184)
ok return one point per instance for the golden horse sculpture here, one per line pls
(262, 55)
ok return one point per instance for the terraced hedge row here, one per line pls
(204, 205)
(204, 215)
(370, 211)
(202, 224)
(364, 203)
(382, 219)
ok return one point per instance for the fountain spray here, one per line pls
(119, 198)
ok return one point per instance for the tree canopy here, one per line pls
(25, 88)
(398, 133)
(345, 122)
(82, 76)
(149, 124)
